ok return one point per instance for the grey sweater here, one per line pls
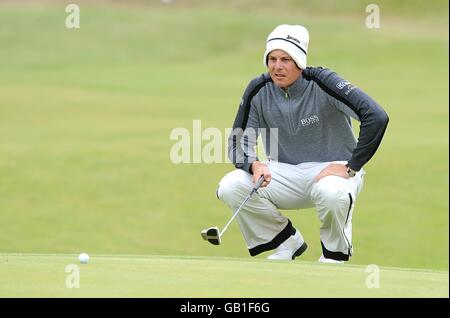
(312, 118)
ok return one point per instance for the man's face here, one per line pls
(282, 68)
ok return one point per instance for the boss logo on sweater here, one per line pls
(309, 120)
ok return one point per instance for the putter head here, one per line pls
(212, 235)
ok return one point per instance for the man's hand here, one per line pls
(261, 169)
(334, 169)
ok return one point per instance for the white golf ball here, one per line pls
(84, 258)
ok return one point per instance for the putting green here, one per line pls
(45, 275)
(86, 117)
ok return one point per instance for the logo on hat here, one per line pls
(294, 39)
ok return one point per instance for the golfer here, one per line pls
(314, 159)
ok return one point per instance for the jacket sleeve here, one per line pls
(242, 139)
(360, 106)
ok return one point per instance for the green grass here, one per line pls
(85, 119)
(31, 275)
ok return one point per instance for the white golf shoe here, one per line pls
(323, 259)
(291, 248)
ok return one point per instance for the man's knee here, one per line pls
(331, 194)
(233, 185)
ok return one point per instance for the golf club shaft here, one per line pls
(258, 184)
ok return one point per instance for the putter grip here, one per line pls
(259, 182)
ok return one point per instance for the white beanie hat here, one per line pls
(293, 39)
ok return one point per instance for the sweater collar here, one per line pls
(294, 90)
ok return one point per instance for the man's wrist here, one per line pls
(351, 173)
(251, 166)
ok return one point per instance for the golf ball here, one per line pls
(84, 258)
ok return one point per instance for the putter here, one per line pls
(212, 234)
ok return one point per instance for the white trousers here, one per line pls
(293, 187)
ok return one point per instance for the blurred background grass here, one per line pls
(86, 114)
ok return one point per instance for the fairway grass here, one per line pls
(46, 275)
(86, 117)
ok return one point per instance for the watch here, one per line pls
(350, 171)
